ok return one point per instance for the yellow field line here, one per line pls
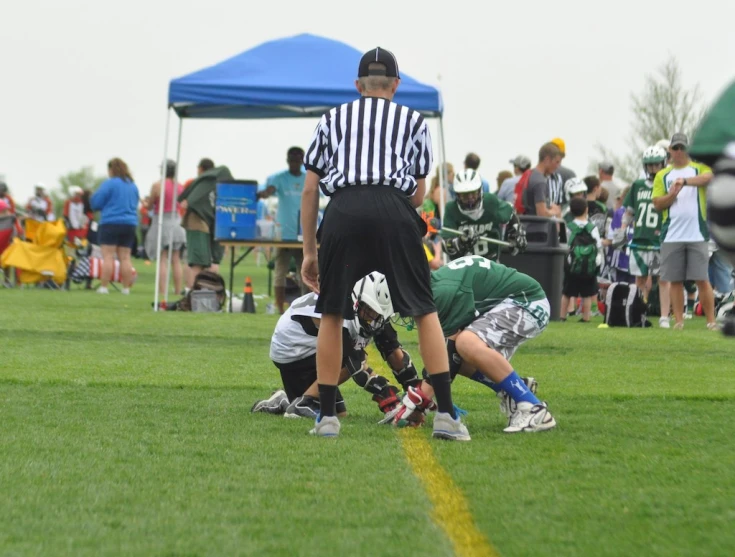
(451, 512)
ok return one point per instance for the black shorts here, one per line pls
(118, 235)
(298, 376)
(373, 228)
(584, 287)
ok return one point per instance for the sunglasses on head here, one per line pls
(678, 148)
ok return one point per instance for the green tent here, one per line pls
(717, 129)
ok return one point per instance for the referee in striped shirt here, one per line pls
(371, 156)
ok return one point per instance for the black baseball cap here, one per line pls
(382, 56)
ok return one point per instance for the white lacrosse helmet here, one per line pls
(75, 190)
(654, 154)
(372, 303)
(575, 185)
(468, 187)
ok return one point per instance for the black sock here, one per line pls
(442, 384)
(327, 399)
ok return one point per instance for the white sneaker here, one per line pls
(530, 418)
(688, 315)
(507, 404)
(276, 404)
(327, 426)
(125, 291)
(445, 427)
(664, 322)
(102, 290)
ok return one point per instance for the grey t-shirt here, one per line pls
(613, 190)
(535, 192)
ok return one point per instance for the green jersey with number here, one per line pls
(495, 212)
(471, 286)
(646, 220)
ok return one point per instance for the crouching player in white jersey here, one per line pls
(293, 351)
(486, 310)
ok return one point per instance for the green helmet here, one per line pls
(654, 155)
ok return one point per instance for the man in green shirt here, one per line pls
(486, 311)
(477, 214)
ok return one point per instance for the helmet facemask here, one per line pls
(371, 303)
(653, 168)
(370, 321)
(469, 201)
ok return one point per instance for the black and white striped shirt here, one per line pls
(370, 141)
(556, 195)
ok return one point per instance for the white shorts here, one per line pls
(644, 263)
(511, 323)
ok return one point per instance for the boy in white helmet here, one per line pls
(477, 214)
(293, 351)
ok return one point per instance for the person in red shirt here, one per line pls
(5, 196)
(74, 216)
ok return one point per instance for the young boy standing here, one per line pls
(583, 261)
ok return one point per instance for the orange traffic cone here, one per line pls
(248, 303)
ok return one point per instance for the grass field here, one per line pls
(125, 432)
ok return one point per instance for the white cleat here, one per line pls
(530, 418)
(327, 426)
(445, 427)
(276, 404)
(507, 404)
(664, 322)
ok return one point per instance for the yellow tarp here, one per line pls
(41, 259)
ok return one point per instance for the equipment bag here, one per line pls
(624, 306)
(582, 258)
(205, 280)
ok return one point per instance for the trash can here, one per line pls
(544, 256)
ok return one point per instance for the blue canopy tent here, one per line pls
(293, 77)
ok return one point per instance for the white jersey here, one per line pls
(295, 335)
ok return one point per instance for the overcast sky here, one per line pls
(82, 81)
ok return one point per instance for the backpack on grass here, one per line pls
(207, 294)
(624, 306)
(582, 258)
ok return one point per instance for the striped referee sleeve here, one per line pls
(424, 153)
(316, 158)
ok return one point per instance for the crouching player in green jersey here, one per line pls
(486, 310)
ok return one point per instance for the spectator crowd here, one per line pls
(651, 233)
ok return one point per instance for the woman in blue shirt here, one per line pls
(117, 199)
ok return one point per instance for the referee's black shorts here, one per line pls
(373, 228)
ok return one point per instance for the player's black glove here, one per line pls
(515, 234)
(462, 245)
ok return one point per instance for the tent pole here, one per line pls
(442, 173)
(171, 244)
(161, 201)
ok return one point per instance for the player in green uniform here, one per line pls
(477, 214)
(645, 247)
(486, 310)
